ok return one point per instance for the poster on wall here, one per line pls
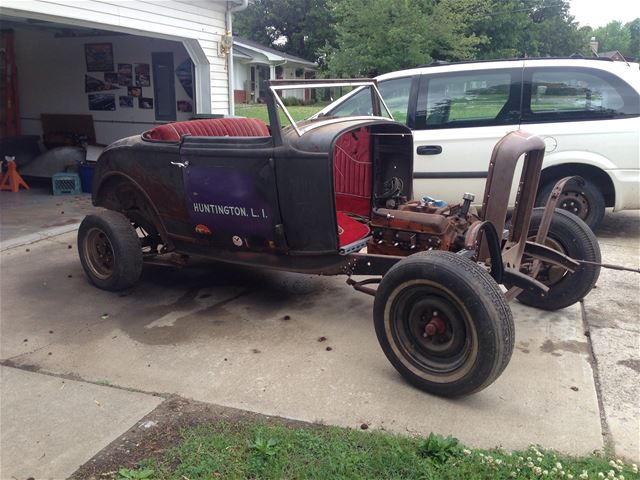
(143, 78)
(99, 57)
(93, 84)
(125, 75)
(102, 102)
(111, 79)
(184, 106)
(134, 91)
(126, 101)
(146, 103)
(184, 72)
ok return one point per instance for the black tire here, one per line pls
(109, 251)
(571, 236)
(585, 201)
(472, 344)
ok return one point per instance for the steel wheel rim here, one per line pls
(439, 354)
(574, 202)
(98, 253)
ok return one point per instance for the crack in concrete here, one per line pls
(77, 378)
(607, 438)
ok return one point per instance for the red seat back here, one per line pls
(211, 127)
(352, 172)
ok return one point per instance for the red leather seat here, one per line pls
(211, 127)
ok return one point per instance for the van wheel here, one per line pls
(109, 250)
(570, 236)
(586, 201)
(443, 323)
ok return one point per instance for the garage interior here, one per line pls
(75, 90)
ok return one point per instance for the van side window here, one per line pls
(469, 99)
(571, 94)
(395, 92)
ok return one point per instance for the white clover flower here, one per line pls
(554, 470)
(466, 452)
(537, 470)
(558, 465)
(545, 472)
(520, 459)
(611, 474)
(498, 461)
(530, 464)
(621, 477)
(489, 460)
(634, 468)
(584, 475)
(600, 475)
(569, 476)
(539, 459)
(528, 459)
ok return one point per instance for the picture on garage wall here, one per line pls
(134, 91)
(145, 103)
(93, 84)
(125, 75)
(102, 102)
(126, 101)
(143, 78)
(184, 106)
(99, 57)
(184, 72)
(111, 79)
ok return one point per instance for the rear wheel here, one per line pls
(109, 250)
(572, 237)
(585, 201)
(443, 323)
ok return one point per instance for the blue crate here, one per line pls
(66, 183)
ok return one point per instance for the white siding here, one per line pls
(178, 20)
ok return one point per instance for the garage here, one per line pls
(83, 74)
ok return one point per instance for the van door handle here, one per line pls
(181, 164)
(429, 150)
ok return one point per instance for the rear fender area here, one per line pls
(121, 193)
(595, 174)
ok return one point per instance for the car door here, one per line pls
(230, 191)
(459, 117)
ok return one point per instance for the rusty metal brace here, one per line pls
(541, 236)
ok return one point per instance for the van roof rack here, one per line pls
(575, 56)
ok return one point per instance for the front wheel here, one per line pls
(109, 250)
(443, 323)
(571, 236)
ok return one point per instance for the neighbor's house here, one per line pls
(255, 64)
(123, 65)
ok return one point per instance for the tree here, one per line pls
(616, 36)
(297, 27)
(378, 36)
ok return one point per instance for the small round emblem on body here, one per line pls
(237, 241)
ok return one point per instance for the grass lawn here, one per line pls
(259, 110)
(266, 451)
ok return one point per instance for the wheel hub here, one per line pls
(574, 202)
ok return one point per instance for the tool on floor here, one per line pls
(11, 179)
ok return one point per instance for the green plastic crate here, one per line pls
(66, 183)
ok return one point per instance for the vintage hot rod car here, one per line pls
(332, 196)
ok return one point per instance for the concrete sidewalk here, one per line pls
(249, 339)
(50, 426)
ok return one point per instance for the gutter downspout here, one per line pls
(229, 33)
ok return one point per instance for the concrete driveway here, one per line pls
(252, 340)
